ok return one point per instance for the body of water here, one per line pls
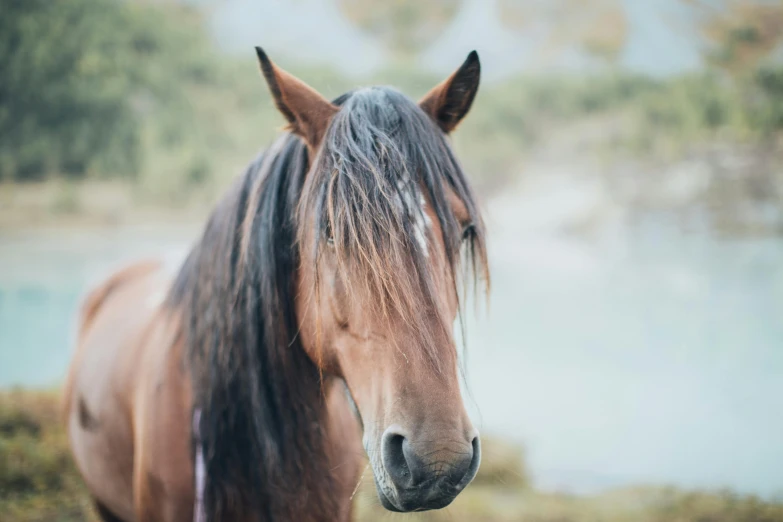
(651, 359)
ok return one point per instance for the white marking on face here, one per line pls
(415, 203)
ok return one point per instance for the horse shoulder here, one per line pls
(96, 396)
(91, 305)
(163, 465)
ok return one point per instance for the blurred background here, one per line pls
(627, 155)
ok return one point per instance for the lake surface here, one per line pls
(647, 358)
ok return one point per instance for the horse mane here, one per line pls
(260, 395)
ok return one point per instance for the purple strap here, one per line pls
(198, 510)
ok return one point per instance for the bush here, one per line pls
(74, 75)
(108, 89)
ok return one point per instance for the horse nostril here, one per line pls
(394, 458)
(473, 464)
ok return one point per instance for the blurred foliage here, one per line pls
(738, 35)
(38, 480)
(640, 504)
(138, 92)
(404, 26)
(599, 27)
(80, 77)
(652, 118)
(39, 483)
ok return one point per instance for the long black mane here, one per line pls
(260, 395)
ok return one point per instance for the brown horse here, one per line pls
(318, 304)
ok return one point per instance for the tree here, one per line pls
(404, 26)
(738, 35)
(74, 73)
(599, 27)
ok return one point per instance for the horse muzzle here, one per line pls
(427, 474)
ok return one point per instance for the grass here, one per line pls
(39, 483)
(38, 480)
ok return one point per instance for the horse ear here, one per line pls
(307, 112)
(448, 102)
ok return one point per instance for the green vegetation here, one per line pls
(79, 78)
(738, 35)
(134, 96)
(406, 27)
(39, 483)
(38, 480)
(598, 28)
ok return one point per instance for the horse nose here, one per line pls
(428, 475)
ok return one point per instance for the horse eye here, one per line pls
(328, 234)
(467, 231)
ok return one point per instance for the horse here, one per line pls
(309, 330)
